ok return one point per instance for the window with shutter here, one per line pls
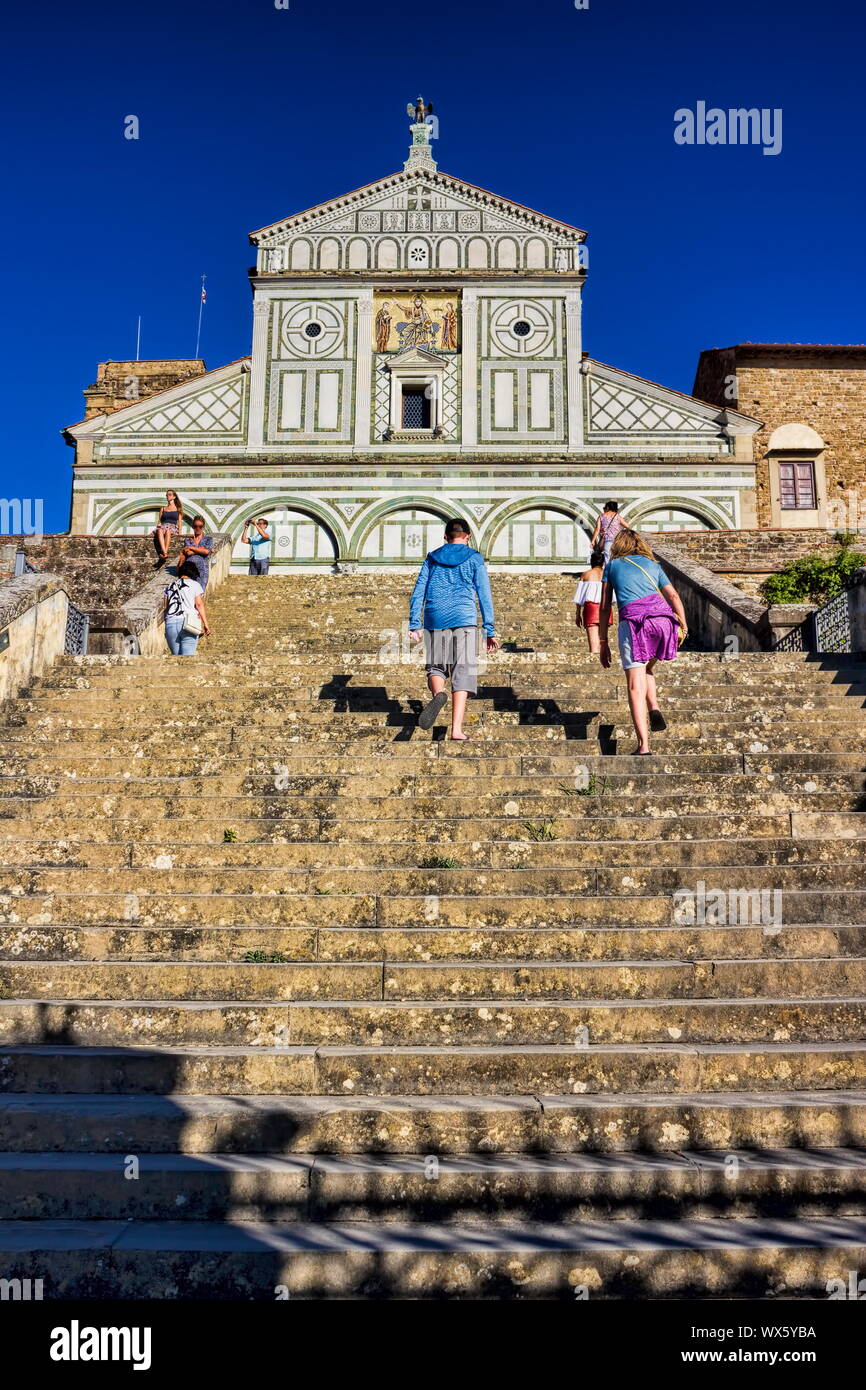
(797, 486)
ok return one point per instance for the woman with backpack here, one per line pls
(185, 615)
(651, 626)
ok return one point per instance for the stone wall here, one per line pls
(122, 383)
(824, 388)
(33, 611)
(746, 558)
(111, 578)
(721, 617)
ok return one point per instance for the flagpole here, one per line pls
(200, 312)
(138, 341)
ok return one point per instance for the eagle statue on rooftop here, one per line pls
(419, 112)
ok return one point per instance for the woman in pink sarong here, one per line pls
(652, 624)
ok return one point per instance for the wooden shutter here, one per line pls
(797, 486)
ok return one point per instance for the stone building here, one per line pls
(416, 353)
(810, 452)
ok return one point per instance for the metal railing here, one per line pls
(828, 629)
(77, 632)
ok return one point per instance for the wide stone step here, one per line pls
(370, 818)
(417, 1187)
(506, 728)
(446, 875)
(426, 944)
(687, 776)
(536, 845)
(107, 1260)
(477, 756)
(442, 1070)
(456, 1124)
(27, 717)
(840, 907)
(594, 828)
(304, 979)
(488, 1021)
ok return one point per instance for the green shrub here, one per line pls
(815, 578)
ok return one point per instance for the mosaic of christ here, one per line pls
(416, 320)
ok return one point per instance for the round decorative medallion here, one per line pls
(522, 328)
(312, 329)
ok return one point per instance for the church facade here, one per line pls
(417, 353)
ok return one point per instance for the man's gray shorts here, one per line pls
(453, 651)
(260, 566)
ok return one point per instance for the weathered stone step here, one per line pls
(813, 978)
(536, 844)
(344, 814)
(380, 1071)
(839, 907)
(461, 1124)
(309, 706)
(687, 775)
(359, 1187)
(107, 1260)
(452, 879)
(495, 1021)
(542, 681)
(378, 828)
(506, 728)
(483, 754)
(388, 944)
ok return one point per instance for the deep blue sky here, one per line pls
(249, 113)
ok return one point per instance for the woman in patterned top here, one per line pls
(607, 528)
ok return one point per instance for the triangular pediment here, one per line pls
(413, 199)
(620, 404)
(213, 405)
(417, 357)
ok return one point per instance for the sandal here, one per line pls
(428, 715)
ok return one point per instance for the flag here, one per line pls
(203, 295)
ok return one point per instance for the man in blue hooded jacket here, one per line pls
(452, 578)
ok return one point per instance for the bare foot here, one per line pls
(459, 738)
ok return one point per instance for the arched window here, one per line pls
(405, 535)
(477, 254)
(540, 535)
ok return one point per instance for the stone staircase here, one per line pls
(299, 998)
